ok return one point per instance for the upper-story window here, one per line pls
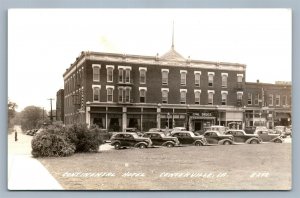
(143, 94)
(224, 79)
(121, 75)
(127, 75)
(110, 90)
(120, 94)
(240, 78)
(224, 97)
(143, 71)
(183, 96)
(277, 100)
(165, 76)
(96, 72)
(183, 77)
(284, 101)
(124, 94)
(211, 78)
(249, 98)
(164, 95)
(197, 78)
(110, 73)
(197, 93)
(124, 74)
(96, 93)
(210, 97)
(239, 98)
(270, 99)
(127, 94)
(256, 99)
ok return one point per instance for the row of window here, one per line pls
(258, 99)
(124, 95)
(124, 75)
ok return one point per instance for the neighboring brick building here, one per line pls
(268, 104)
(116, 91)
(60, 105)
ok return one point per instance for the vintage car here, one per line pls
(160, 139)
(189, 138)
(126, 139)
(220, 129)
(240, 136)
(266, 136)
(215, 137)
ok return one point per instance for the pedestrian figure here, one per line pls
(16, 135)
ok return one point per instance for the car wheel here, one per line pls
(277, 141)
(198, 144)
(117, 146)
(141, 146)
(169, 145)
(226, 142)
(253, 142)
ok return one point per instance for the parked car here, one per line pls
(160, 139)
(220, 129)
(240, 136)
(134, 130)
(126, 139)
(266, 136)
(31, 132)
(215, 137)
(189, 138)
(179, 129)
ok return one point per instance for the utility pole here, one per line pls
(51, 116)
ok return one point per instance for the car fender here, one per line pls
(277, 138)
(253, 138)
(165, 143)
(222, 141)
(114, 142)
(201, 141)
(139, 143)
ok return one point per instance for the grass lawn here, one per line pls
(235, 167)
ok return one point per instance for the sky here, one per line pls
(42, 43)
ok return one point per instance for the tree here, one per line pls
(32, 117)
(11, 112)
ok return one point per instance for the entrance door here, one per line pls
(198, 125)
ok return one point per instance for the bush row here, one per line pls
(61, 141)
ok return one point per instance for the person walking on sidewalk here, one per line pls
(16, 135)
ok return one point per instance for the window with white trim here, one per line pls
(197, 96)
(183, 96)
(142, 75)
(96, 73)
(224, 98)
(197, 79)
(183, 77)
(165, 75)
(277, 100)
(96, 94)
(249, 98)
(127, 75)
(164, 96)
(224, 80)
(270, 99)
(120, 94)
(110, 91)
(239, 98)
(121, 76)
(256, 99)
(240, 78)
(211, 79)
(210, 98)
(142, 95)
(110, 73)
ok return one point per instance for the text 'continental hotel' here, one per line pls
(118, 91)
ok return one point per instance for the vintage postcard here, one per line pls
(149, 99)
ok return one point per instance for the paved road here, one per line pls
(25, 172)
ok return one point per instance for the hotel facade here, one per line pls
(118, 91)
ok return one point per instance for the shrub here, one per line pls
(52, 142)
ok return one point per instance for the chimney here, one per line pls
(257, 81)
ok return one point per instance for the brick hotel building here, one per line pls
(118, 91)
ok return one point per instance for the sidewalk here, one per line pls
(25, 172)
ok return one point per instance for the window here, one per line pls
(224, 97)
(270, 99)
(284, 102)
(165, 73)
(256, 99)
(211, 79)
(239, 98)
(96, 72)
(249, 98)
(165, 93)
(121, 77)
(210, 97)
(120, 94)
(277, 100)
(183, 77)
(96, 93)
(142, 94)
(110, 69)
(142, 75)
(110, 90)
(197, 78)
(127, 94)
(127, 75)
(183, 96)
(224, 80)
(197, 96)
(240, 78)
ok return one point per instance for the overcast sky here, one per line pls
(42, 43)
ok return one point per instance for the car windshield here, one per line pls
(162, 135)
(134, 135)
